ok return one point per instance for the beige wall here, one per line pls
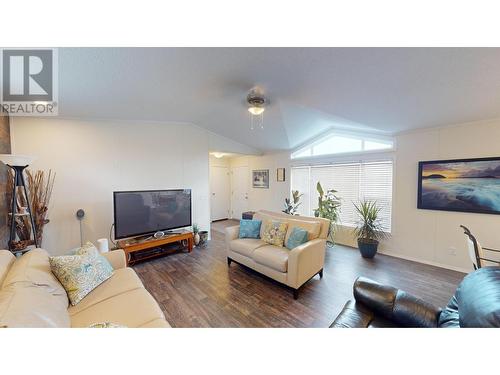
(434, 237)
(272, 198)
(93, 159)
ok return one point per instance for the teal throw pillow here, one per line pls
(297, 238)
(250, 228)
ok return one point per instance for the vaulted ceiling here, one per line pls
(311, 90)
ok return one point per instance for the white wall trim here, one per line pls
(422, 261)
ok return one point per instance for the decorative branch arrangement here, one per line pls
(39, 185)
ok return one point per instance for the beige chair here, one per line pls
(290, 267)
(476, 251)
(31, 296)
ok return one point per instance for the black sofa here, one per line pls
(476, 303)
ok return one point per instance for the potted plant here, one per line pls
(369, 230)
(291, 205)
(196, 233)
(328, 208)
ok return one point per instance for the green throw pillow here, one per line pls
(297, 238)
(81, 273)
(274, 232)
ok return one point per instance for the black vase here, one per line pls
(367, 248)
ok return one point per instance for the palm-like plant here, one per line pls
(328, 208)
(369, 228)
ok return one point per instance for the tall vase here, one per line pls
(196, 239)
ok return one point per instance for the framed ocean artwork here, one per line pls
(464, 185)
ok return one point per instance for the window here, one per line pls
(353, 181)
(339, 144)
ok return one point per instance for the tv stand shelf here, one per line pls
(130, 246)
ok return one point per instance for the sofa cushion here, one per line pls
(33, 269)
(246, 246)
(6, 261)
(312, 227)
(272, 256)
(134, 308)
(24, 305)
(274, 232)
(250, 228)
(80, 274)
(123, 280)
(157, 323)
(296, 238)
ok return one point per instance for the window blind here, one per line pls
(354, 181)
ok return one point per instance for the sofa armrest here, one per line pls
(396, 305)
(305, 261)
(232, 233)
(116, 258)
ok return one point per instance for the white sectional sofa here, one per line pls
(31, 296)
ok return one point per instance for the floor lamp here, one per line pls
(18, 163)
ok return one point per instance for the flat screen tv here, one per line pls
(144, 212)
(465, 185)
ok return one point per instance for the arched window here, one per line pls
(335, 143)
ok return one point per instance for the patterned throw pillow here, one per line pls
(296, 238)
(81, 273)
(250, 228)
(106, 325)
(88, 247)
(274, 232)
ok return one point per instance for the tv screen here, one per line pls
(465, 185)
(144, 212)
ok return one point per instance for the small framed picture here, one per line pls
(260, 179)
(280, 175)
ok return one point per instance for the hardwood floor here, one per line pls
(198, 289)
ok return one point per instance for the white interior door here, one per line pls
(239, 195)
(220, 193)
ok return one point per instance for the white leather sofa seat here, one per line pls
(272, 256)
(246, 246)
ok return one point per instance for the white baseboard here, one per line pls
(417, 260)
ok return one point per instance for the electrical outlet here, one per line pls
(452, 251)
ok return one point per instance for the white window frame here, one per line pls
(363, 138)
(367, 157)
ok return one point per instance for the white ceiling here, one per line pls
(385, 90)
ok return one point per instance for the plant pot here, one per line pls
(203, 237)
(367, 248)
(196, 239)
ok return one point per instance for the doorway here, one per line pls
(239, 194)
(220, 193)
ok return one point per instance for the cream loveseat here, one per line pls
(31, 296)
(290, 267)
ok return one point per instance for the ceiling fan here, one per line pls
(256, 102)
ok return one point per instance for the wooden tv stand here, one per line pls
(137, 244)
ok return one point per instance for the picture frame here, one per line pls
(260, 179)
(280, 175)
(460, 185)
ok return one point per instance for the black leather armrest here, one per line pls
(395, 305)
(377, 297)
(353, 316)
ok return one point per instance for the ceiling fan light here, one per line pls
(256, 110)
